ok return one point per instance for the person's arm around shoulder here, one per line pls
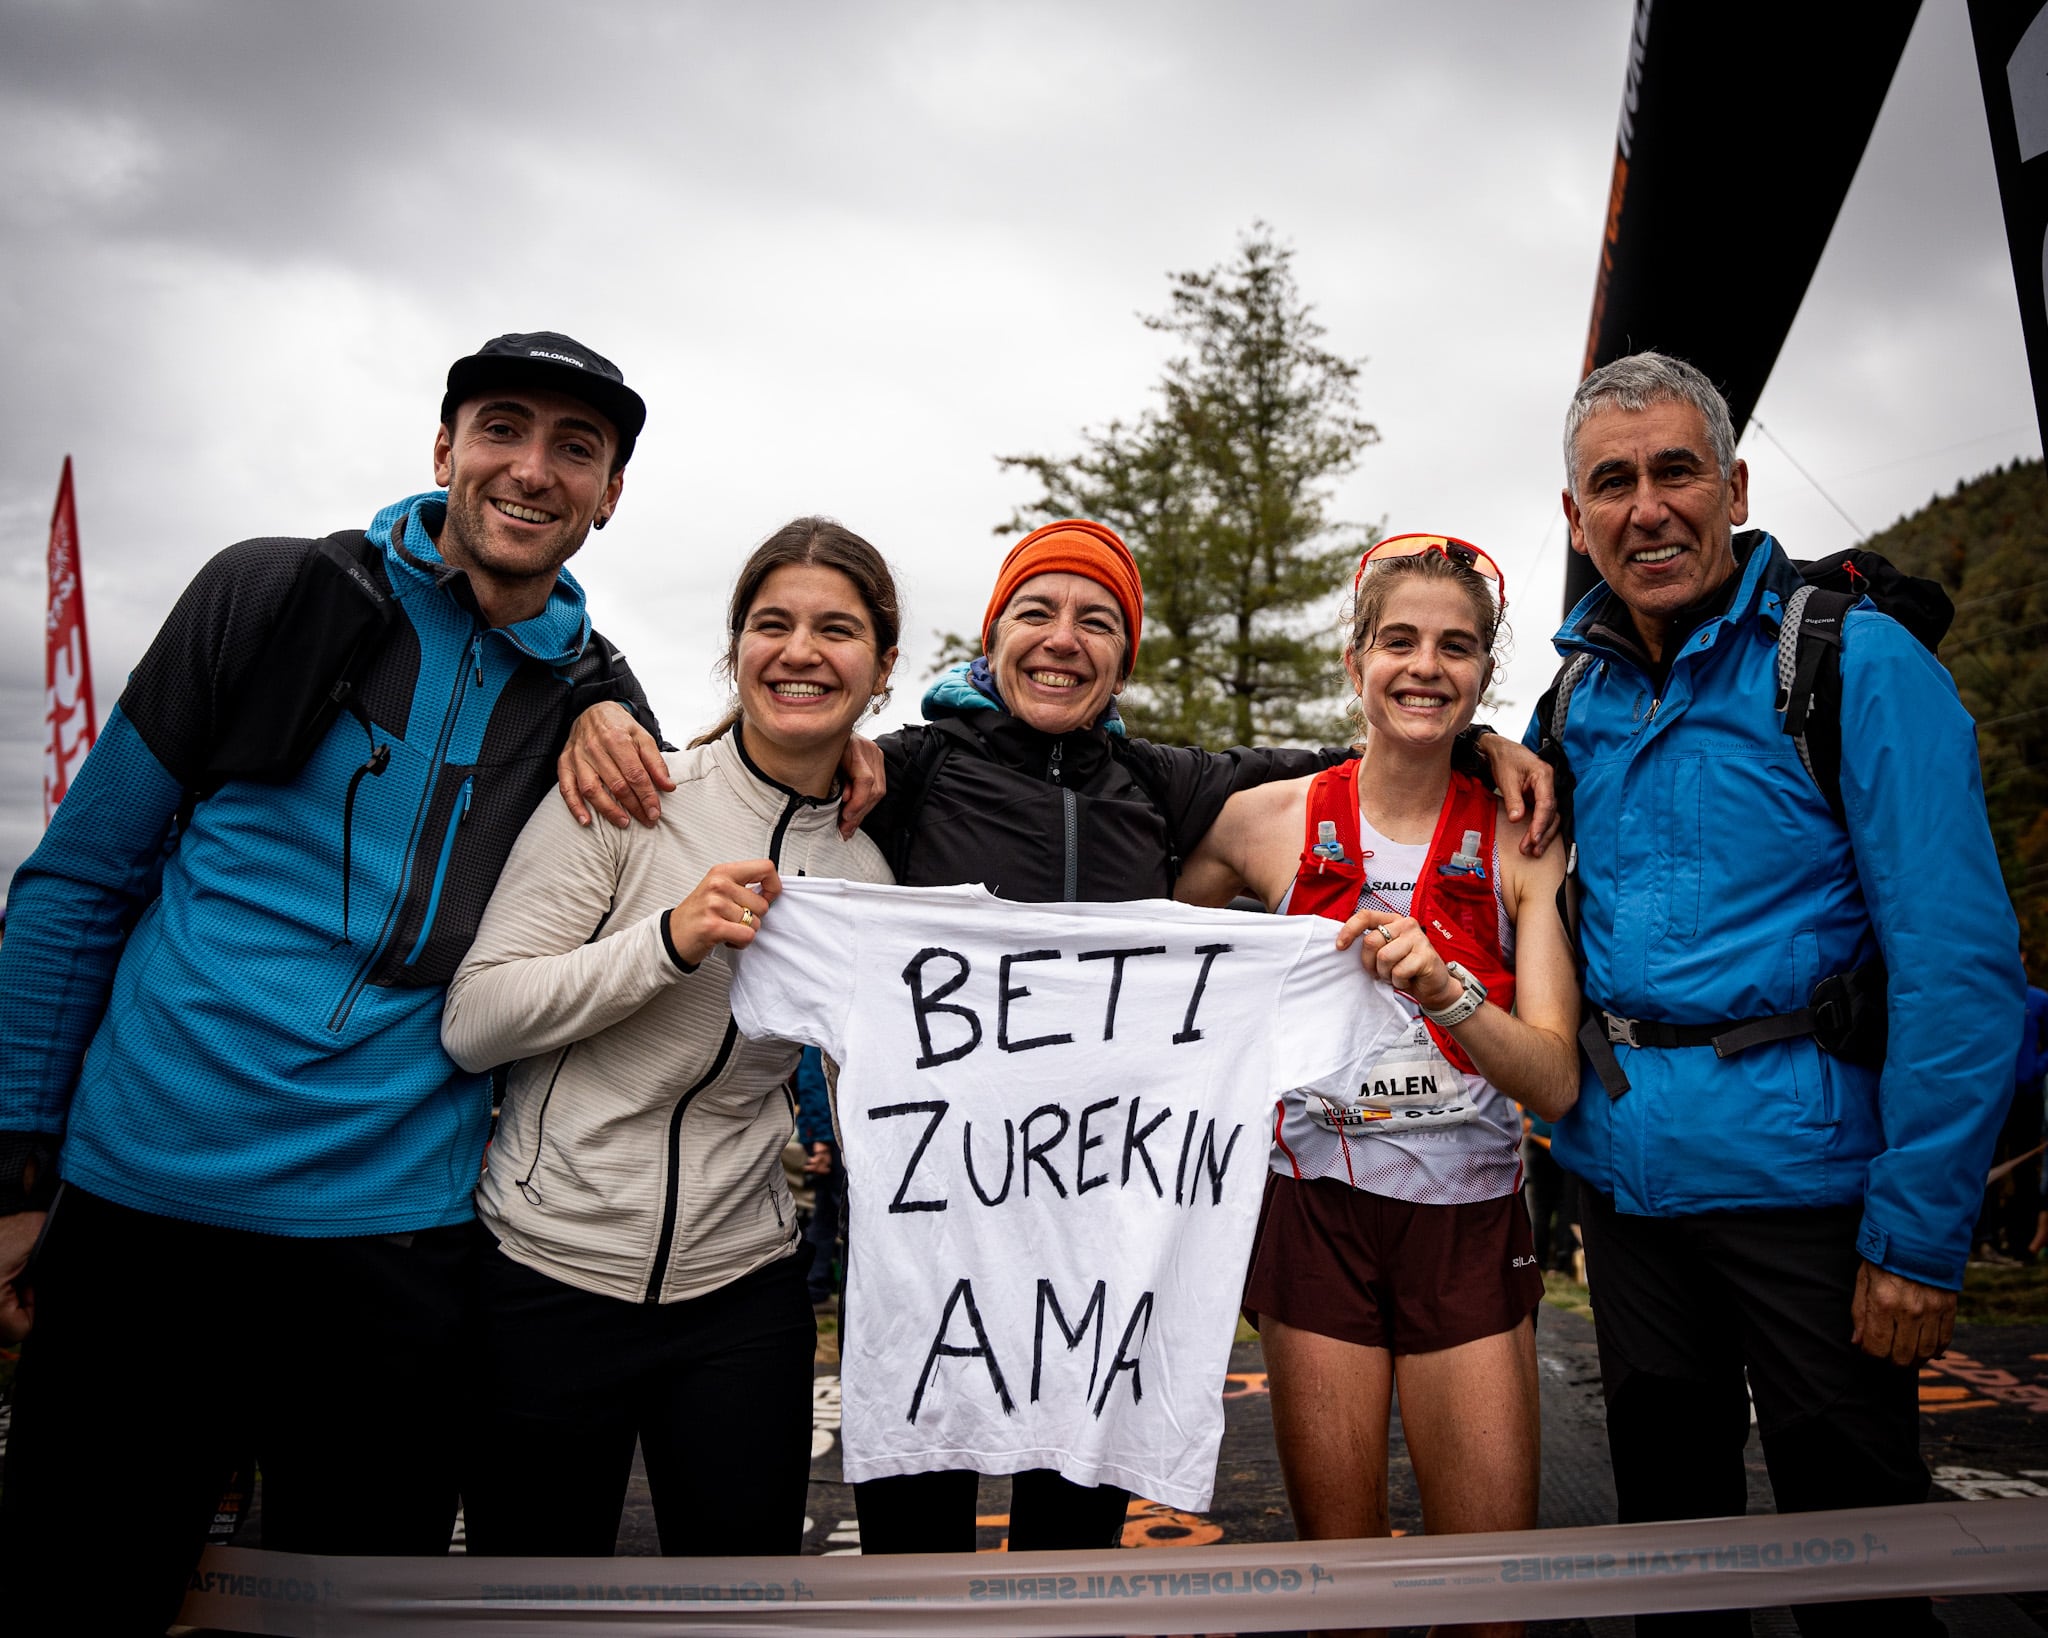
(1528, 790)
(537, 977)
(612, 763)
(1250, 848)
(1531, 1053)
(1191, 786)
(613, 767)
(1913, 804)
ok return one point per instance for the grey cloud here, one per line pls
(851, 253)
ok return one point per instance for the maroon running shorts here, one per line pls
(1389, 1273)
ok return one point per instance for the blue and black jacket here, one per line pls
(186, 1007)
(1717, 886)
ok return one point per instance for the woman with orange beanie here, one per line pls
(1023, 778)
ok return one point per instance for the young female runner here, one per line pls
(1393, 1250)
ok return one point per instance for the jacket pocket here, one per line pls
(525, 1183)
(1810, 1068)
(439, 870)
(1683, 839)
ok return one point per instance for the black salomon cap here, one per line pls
(555, 363)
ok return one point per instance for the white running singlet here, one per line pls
(1420, 1129)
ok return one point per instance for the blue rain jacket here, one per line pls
(238, 1058)
(1717, 886)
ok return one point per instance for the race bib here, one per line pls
(1411, 1088)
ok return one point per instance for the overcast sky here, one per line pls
(850, 253)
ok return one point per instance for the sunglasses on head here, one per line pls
(1461, 552)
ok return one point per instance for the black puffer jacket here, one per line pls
(980, 796)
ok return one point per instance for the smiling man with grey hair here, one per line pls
(1777, 1185)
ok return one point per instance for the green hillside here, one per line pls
(1988, 544)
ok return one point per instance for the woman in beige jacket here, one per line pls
(646, 1281)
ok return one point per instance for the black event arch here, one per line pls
(1750, 117)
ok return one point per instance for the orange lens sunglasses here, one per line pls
(1461, 552)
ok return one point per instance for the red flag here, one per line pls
(67, 683)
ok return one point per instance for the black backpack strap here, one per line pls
(1810, 684)
(1551, 712)
(1556, 704)
(332, 623)
(934, 745)
(600, 673)
(334, 620)
(1150, 778)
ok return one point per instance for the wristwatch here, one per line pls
(1466, 1005)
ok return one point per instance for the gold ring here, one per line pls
(746, 918)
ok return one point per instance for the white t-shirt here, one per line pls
(1054, 1119)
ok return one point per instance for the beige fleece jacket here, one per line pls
(637, 1153)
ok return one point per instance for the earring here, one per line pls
(601, 520)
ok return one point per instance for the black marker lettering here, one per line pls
(1208, 953)
(1116, 978)
(1082, 1181)
(1126, 1360)
(1180, 1172)
(941, 1348)
(1134, 1143)
(1005, 995)
(937, 1110)
(1206, 1158)
(923, 1006)
(1034, 1153)
(1009, 1162)
(1097, 1310)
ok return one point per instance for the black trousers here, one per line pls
(934, 1513)
(1553, 1196)
(165, 1353)
(717, 1390)
(1683, 1306)
(821, 1233)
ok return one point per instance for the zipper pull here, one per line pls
(476, 653)
(463, 801)
(1052, 768)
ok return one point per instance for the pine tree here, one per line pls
(1222, 491)
(1983, 543)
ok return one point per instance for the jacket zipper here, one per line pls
(1071, 882)
(441, 866)
(1070, 879)
(346, 1004)
(671, 1201)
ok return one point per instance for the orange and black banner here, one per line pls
(1742, 123)
(2012, 61)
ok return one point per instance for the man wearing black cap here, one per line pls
(220, 1008)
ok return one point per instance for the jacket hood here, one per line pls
(404, 531)
(972, 687)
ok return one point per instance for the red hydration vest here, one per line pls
(1454, 897)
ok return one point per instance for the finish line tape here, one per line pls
(1617, 1569)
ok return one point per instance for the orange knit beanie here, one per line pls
(1073, 546)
